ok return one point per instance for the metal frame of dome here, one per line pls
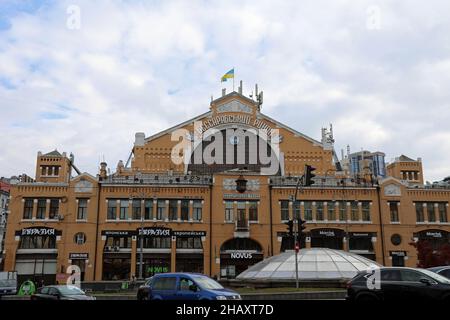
(313, 264)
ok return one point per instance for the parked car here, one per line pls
(443, 271)
(61, 292)
(144, 290)
(8, 282)
(188, 286)
(397, 284)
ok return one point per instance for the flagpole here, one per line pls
(233, 79)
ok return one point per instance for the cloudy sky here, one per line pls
(378, 70)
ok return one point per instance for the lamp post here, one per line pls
(296, 230)
(141, 235)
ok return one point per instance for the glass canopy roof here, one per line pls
(313, 264)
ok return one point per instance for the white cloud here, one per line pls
(144, 66)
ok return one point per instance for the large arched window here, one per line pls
(241, 244)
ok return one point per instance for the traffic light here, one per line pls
(309, 175)
(290, 227)
(301, 227)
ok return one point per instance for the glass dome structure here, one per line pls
(313, 264)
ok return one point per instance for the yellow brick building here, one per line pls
(190, 215)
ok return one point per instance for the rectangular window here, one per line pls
(442, 207)
(308, 211)
(393, 209)
(419, 212)
(112, 209)
(197, 210)
(342, 211)
(148, 210)
(229, 211)
(296, 205)
(123, 214)
(136, 209)
(161, 210)
(354, 211)
(430, 212)
(284, 210)
(56, 171)
(173, 210)
(82, 209)
(184, 210)
(28, 209)
(366, 211)
(54, 208)
(253, 211)
(42, 204)
(331, 206)
(319, 211)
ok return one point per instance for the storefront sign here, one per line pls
(398, 253)
(118, 233)
(327, 233)
(241, 255)
(38, 231)
(362, 234)
(155, 232)
(434, 234)
(187, 234)
(83, 256)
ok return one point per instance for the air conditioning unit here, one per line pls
(116, 248)
(108, 248)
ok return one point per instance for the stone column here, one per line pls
(133, 269)
(173, 254)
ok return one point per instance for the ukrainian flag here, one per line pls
(228, 75)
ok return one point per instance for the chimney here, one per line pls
(240, 87)
(224, 91)
(103, 172)
(139, 139)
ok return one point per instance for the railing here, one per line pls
(155, 179)
(242, 225)
(320, 182)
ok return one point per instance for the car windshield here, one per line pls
(436, 276)
(207, 283)
(70, 290)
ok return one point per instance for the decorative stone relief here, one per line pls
(83, 186)
(392, 190)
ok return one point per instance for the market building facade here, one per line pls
(213, 195)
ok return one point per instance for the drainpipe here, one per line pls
(210, 229)
(271, 219)
(96, 231)
(381, 223)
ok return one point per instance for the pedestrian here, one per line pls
(133, 281)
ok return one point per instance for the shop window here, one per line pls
(197, 210)
(361, 243)
(121, 242)
(173, 210)
(331, 206)
(253, 211)
(189, 243)
(124, 203)
(116, 268)
(112, 209)
(37, 242)
(430, 212)
(28, 209)
(157, 242)
(184, 210)
(419, 212)
(229, 211)
(442, 207)
(308, 211)
(82, 209)
(148, 210)
(393, 209)
(161, 210)
(136, 205)
(365, 211)
(319, 211)
(284, 210)
(42, 205)
(80, 238)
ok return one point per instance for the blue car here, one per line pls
(188, 286)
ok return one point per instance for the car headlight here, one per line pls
(221, 298)
(238, 297)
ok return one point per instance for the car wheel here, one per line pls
(366, 297)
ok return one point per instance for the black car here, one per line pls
(62, 292)
(443, 271)
(144, 290)
(391, 283)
